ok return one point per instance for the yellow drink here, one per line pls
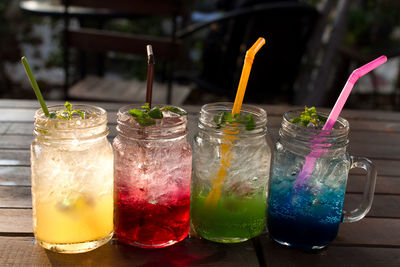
(72, 182)
(79, 221)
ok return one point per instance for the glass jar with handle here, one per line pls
(306, 213)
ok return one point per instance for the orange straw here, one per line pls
(244, 78)
(229, 135)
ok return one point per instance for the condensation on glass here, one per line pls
(305, 211)
(230, 176)
(152, 180)
(72, 181)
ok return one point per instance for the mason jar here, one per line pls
(72, 180)
(309, 173)
(230, 175)
(152, 180)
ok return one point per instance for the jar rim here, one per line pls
(165, 128)
(314, 139)
(208, 111)
(99, 119)
(125, 109)
(340, 128)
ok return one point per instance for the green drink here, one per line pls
(230, 175)
(232, 220)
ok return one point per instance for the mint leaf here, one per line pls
(145, 121)
(147, 116)
(222, 117)
(79, 112)
(136, 113)
(250, 124)
(225, 117)
(309, 115)
(175, 110)
(322, 118)
(64, 115)
(68, 106)
(295, 120)
(155, 113)
(146, 107)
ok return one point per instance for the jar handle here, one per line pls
(369, 188)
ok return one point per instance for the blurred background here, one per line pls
(97, 52)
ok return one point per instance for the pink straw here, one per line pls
(308, 166)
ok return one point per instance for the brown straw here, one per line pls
(150, 73)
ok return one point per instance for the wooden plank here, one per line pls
(369, 125)
(382, 145)
(20, 128)
(16, 221)
(378, 149)
(387, 206)
(388, 128)
(277, 255)
(26, 128)
(374, 126)
(15, 175)
(384, 184)
(20, 176)
(15, 197)
(11, 115)
(33, 104)
(370, 232)
(373, 115)
(374, 138)
(22, 251)
(4, 127)
(272, 110)
(14, 157)
(387, 167)
(375, 151)
(16, 141)
(22, 158)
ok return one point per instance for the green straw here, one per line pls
(35, 86)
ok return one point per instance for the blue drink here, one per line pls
(307, 217)
(304, 211)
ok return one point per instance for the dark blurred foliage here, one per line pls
(371, 25)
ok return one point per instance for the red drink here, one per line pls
(152, 169)
(144, 224)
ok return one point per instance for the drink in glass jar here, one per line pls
(72, 180)
(152, 180)
(306, 214)
(231, 170)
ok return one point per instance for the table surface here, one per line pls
(373, 241)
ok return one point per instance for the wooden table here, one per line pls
(374, 241)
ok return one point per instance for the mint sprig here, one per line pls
(309, 115)
(68, 113)
(147, 116)
(225, 117)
